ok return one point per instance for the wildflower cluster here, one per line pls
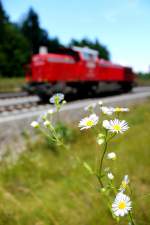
(117, 197)
(45, 122)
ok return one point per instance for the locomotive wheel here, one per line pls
(126, 87)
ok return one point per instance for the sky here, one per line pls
(122, 25)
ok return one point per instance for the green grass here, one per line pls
(46, 187)
(11, 84)
(142, 80)
(16, 84)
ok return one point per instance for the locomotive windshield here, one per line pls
(87, 56)
(87, 53)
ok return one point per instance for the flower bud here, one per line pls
(47, 123)
(100, 141)
(34, 124)
(110, 176)
(103, 190)
(111, 155)
(50, 111)
(64, 102)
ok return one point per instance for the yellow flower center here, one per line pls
(117, 127)
(89, 123)
(122, 205)
(117, 109)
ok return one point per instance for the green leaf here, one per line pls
(88, 167)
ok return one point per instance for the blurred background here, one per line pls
(40, 182)
(119, 31)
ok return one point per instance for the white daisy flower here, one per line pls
(118, 109)
(116, 126)
(88, 122)
(111, 155)
(90, 107)
(121, 205)
(57, 98)
(34, 124)
(124, 183)
(107, 110)
(110, 176)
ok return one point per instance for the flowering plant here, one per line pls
(118, 198)
(45, 123)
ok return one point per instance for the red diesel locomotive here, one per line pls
(76, 70)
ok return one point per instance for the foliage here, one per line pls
(3, 21)
(13, 47)
(15, 55)
(143, 79)
(144, 75)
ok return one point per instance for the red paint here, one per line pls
(87, 67)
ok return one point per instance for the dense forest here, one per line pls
(18, 41)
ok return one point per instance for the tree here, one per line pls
(54, 45)
(3, 22)
(14, 52)
(31, 29)
(102, 50)
(3, 15)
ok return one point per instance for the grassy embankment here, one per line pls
(11, 84)
(45, 187)
(15, 84)
(143, 79)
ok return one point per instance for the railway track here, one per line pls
(14, 108)
(13, 95)
(14, 102)
(19, 103)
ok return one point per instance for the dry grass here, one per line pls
(11, 84)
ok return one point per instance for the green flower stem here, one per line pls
(102, 158)
(113, 188)
(53, 137)
(57, 139)
(54, 134)
(118, 115)
(131, 219)
(101, 161)
(111, 137)
(45, 134)
(109, 202)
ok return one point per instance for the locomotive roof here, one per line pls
(85, 49)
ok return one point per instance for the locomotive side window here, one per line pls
(88, 56)
(61, 60)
